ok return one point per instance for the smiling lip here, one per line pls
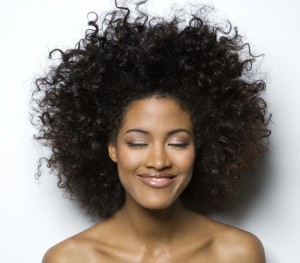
(157, 180)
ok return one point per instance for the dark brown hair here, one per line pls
(78, 105)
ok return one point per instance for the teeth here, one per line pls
(154, 174)
(158, 175)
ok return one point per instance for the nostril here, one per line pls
(158, 164)
(158, 158)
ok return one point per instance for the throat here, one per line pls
(152, 228)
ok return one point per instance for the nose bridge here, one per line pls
(158, 156)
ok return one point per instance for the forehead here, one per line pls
(156, 114)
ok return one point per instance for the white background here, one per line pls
(34, 214)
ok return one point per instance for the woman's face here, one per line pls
(154, 152)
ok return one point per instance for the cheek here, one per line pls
(185, 161)
(128, 161)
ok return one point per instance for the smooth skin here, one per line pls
(156, 138)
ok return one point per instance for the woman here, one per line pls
(152, 124)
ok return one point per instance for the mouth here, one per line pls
(157, 180)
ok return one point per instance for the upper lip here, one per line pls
(157, 175)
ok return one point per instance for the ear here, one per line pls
(112, 151)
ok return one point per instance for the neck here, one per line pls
(151, 228)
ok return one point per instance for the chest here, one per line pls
(189, 253)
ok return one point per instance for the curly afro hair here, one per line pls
(79, 104)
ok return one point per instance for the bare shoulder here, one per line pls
(61, 252)
(81, 248)
(71, 250)
(235, 245)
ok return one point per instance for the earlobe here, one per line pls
(112, 151)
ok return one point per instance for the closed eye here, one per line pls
(178, 145)
(137, 145)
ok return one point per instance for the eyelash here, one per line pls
(142, 145)
(178, 145)
(136, 145)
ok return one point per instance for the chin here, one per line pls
(156, 202)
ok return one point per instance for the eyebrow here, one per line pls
(169, 133)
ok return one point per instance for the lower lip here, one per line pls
(156, 182)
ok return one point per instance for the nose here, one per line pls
(158, 158)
